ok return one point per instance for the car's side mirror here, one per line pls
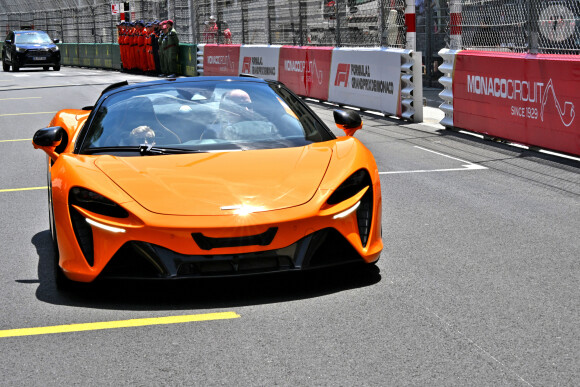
(49, 139)
(347, 120)
(8, 41)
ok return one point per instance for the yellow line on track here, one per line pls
(19, 139)
(118, 324)
(23, 114)
(21, 189)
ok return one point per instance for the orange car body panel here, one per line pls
(170, 197)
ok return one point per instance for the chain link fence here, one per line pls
(543, 26)
(366, 23)
(537, 26)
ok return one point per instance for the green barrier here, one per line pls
(188, 59)
(108, 56)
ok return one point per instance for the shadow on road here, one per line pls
(202, 293)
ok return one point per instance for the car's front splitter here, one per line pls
(323, 248)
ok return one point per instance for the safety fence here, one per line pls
(537, 26)
(512, 71)
(361, 23)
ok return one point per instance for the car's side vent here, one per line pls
(350, 187)
(364, 216)
(84, 234)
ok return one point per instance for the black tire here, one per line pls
(56, 67)
(15, 68)
(45, 68)
(5, 66)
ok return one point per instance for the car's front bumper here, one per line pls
(145, 260)
(37, 58)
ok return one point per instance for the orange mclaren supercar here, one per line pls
(206, 176)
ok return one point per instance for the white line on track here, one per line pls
(468, 166)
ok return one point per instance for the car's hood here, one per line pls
(220, 183)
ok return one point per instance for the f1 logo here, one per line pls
(247, 65)
(342, 72)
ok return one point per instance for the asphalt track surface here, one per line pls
(478, 283)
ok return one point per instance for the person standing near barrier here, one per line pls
(170, 49)
(154, 43)
(227, 33)
(149, 63)
(126, 47)
(120, 38)
(132, 46)
(210, 30)
(161, 40)
(141, 54)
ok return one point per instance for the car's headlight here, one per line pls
(54, 49)
(19, 49)
(97, 203)
(350, 187)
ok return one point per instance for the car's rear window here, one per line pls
(206, 116)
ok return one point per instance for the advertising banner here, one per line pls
(528, 99)
(221, 59)
(306, 70)
(368, 78)
(261, 61)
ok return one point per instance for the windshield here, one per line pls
(31, 38)
(202, 116)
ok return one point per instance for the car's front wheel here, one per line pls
(15, 68)
(56, 67)
(5, 66)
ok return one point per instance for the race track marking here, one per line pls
(18, 139)
(21, 189)
(24, 114)
(9, 99)
(118, 324)
(469, 166)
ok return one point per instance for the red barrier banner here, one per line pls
(524, 98)
(221, 59)
(306, 70)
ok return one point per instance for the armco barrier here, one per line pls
(108, 56)
(385, 80)
(524, 98)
